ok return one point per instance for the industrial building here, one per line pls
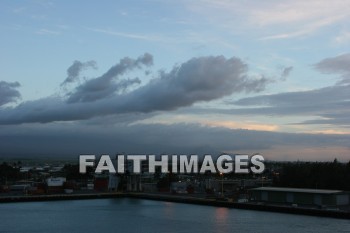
(297, 196)
(55, 184)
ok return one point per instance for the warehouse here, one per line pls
(319, 197)
(55, 185)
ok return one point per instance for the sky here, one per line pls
(175, 77)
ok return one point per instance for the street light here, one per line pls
(222, 183)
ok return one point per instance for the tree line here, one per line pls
(315, 175)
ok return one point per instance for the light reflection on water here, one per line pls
(135, 215)
(221, 219)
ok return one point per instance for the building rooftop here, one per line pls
(297, 190)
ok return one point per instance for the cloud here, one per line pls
(44, 31)
(99, 89)
(338, 65)
(200, 79)
(197, 80)
(106, 85)
(342, 38)
(74, 70)
(302, 18)
(135, 36)
(317, 97)
(328, 105)
(298, 11)
(8, 92)
(286, 35)
(275, 20)
(285, 73)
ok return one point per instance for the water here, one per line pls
(133, 215)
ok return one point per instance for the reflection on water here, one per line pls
(221, 219)
(135, 215)
(221, 215)
(169, 209)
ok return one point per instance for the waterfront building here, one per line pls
(55, 184)
(298, 196)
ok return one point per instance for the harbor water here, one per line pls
(128, 215)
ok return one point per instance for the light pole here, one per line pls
(222, 183)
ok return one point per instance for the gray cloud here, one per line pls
(339, 64)
(197, 80)
(118, 119)
(96, 89)
(331, 103)
(322, 96)
(74, 70)
(105, 85)
(286, 71)
(8, 92)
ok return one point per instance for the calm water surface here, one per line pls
(132, 215)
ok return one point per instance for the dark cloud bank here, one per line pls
(62, 139)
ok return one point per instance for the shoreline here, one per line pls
(59, 197)
(246, 206)
(181, 199)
